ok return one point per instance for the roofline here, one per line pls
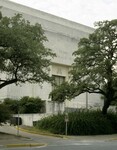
(46, 16)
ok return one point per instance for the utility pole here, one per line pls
(86, 100)
(18, 124)
(66, 123)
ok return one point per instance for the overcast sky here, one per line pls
(82, 11)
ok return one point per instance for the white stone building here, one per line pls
(63, 36)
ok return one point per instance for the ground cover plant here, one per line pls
(80, 123)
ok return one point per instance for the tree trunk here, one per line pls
(105, 107)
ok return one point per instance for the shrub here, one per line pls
(5, 114)
(13, 105)
(54, 123)
(25, 105)
(80, 123)
(31, 105)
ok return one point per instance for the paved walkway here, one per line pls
(11, 137)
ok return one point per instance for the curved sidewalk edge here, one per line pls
(26, 145)
(45, 134)
(112, 137)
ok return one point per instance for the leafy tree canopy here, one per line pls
(5, 114)
(62, 92)
(23, 56)
(25, 105)
(31, 105)
(13, 105)
(95, 64)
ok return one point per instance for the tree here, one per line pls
(12, 105)
(23, 56)
(31, 105)
(62, 92)
(25, 105)
(95, 64)
(5, 114)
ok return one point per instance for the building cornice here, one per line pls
(46, 16)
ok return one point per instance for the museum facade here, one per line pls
(63, 37)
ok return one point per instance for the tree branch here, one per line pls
(7, 83)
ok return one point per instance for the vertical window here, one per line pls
(58, 80)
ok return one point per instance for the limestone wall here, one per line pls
(63, 36)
